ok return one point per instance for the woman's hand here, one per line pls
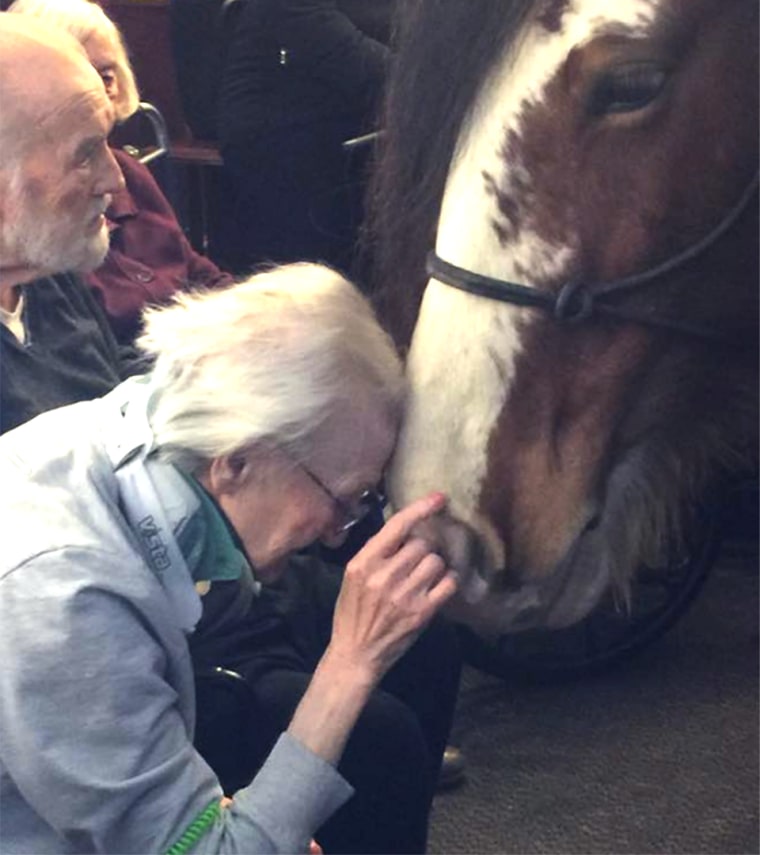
(391, 589)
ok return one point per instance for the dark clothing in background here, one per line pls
(299, 197)
(301, 77)
(199, 39)
(373, 17)
(70, 353)
(201, 32)
(149, 258)
(297, 62)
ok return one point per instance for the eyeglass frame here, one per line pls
(368, 500)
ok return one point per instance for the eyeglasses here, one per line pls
(350, 514)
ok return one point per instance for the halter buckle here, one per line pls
(574, 303)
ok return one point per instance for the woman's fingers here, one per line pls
(391, 589)
(415, 582)
(401, 563)
(443, 590)
(400, 526)
(408, 556)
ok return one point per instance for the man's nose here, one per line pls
(111, 179)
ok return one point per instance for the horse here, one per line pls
(581, 342)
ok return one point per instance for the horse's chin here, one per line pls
(564, 598)
(584, 577)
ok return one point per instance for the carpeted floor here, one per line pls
(658, 755)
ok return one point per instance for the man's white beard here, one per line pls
(49, 246)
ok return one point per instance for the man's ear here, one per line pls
(228, 473)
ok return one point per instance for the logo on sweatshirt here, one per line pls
(151, 536)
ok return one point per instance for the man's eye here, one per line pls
(85, 156)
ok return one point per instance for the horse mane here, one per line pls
(443, 50)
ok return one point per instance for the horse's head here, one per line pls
(608, 139)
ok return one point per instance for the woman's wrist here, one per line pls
(337, 693)
(348, 669)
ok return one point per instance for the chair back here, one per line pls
(144, 134)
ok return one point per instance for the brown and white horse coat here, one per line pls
(608, 138)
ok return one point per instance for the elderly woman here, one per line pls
(149, 258)
(249, 440)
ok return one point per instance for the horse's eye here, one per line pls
(626, 89)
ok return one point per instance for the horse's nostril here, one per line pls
(477, 552)
(466, 551)
(456, 542)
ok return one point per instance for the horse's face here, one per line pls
(613, 136)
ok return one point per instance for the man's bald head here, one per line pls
(41, 70)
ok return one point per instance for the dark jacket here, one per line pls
(70, 353)
(298, 62)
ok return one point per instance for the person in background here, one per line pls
(300, 78)
(149, 258)
(246, 442)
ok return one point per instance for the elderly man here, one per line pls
(57, 175)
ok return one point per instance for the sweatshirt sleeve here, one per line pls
(92, 731)
(315, 790)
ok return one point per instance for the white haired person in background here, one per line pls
(149, 257)
(268, 418)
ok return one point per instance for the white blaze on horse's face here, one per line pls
(464, 347)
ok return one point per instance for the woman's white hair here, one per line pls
(82, 18)
(272, 360)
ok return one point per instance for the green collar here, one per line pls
(210, 546)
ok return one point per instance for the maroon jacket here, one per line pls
(150, 258)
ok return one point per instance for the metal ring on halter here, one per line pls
(574, 303)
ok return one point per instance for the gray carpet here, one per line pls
(658, 755)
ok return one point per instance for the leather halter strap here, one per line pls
(576, 302)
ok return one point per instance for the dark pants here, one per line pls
(393, 756)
